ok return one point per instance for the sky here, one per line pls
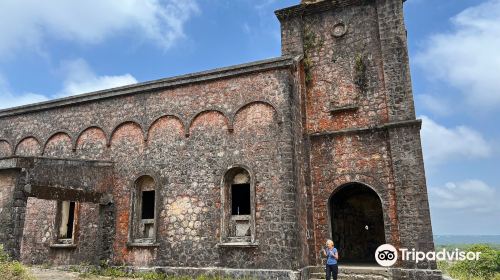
(58, 48)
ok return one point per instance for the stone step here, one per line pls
(351, 272)
(342, 276)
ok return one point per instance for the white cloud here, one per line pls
(467, 58)
(469, 195)
(441, 144)
(9, 99)
(81, 79)
(25, 23)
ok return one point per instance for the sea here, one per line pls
(466, 239)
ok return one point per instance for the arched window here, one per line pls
(239, 210)
(144, 207)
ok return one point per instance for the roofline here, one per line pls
(322, 6)
(307, 8)
(176, 81)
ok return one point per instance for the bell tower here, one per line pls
(360, 128)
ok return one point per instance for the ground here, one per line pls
(52, 274)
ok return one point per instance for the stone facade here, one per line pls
(335, 111)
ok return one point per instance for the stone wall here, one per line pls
(40, 234)
(360, 116)
(340, 111)
(185, 137)
(11, 211)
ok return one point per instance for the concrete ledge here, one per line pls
(238, 244)
(275, 274)
(14, 163)
(193, 272)
(343, 109)
(385, 126)
(416, 274)
(62, 246)
(143, 245)
(28, 162)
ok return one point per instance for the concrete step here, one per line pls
(352, 272)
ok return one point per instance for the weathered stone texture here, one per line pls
(304, 127)
(359, 114)
(234, 122)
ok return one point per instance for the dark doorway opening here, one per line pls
(240, 199)
(357, 223)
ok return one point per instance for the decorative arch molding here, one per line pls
(9, 145)
(337, 183)
(197, 115)
(156, 119)
(30, 136)
(128, 121)
(347, 184)
(75, 143)
(279, 115)
(62, 131)
(353, 178)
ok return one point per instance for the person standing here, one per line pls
(332, 255)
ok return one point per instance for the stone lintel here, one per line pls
(15, 163)
(67, 193)
(18, 162)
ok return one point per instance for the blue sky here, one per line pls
(58, 48)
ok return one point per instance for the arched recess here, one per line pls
(258, 117)
(5, 148)
(209, 122)
(357, 222)
(58, 145)
(28, 146)
(238, 206)
(144, 217)
(165, 127)
(127, 140)
(91, 143)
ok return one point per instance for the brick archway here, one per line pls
(356, 222)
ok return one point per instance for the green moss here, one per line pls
(360, 78)
(310, 42)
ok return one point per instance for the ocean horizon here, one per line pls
(446, 239)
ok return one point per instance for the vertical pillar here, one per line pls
(12, 210)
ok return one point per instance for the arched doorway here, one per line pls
(357, 222)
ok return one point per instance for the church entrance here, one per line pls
(357, 223)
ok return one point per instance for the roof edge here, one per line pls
(197, 77)
(309, 8)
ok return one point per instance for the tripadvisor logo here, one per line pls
(387, 255)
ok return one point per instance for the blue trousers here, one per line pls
(332, 270)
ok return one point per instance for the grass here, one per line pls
(91, 272)
(486, 268)
(12, 270)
